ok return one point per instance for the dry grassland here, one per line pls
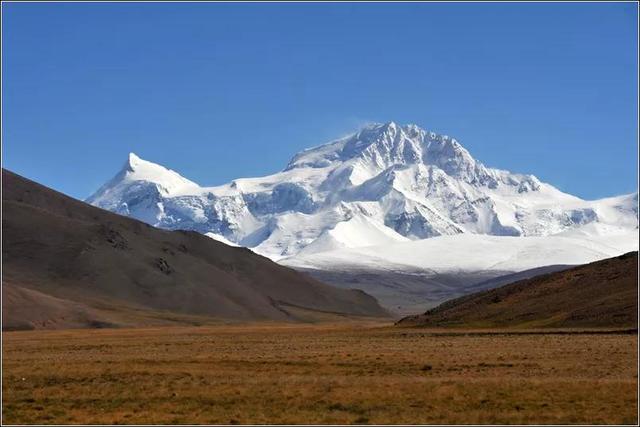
(349, 373)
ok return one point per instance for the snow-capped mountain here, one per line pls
(384, 184)
(396, 210)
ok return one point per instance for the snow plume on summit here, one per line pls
(384, 184)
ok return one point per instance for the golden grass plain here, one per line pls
(349, 373)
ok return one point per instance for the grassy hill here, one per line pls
(599, 294)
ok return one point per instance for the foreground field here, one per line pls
(354, 373)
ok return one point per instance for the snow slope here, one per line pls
(383, 185)
(411, 277)
(473, 252)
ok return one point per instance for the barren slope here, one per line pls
(600, 294)
(66, 263)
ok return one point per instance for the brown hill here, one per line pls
(69, 264)
(600, 294)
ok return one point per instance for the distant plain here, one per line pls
(351, 372)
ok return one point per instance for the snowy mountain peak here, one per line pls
(138, 169)
(384, 183)
(377, 147)
(132, 161)
(140, 178)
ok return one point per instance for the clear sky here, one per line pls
(222, 91)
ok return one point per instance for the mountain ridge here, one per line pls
(384, 183)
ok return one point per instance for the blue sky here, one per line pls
(222, 91)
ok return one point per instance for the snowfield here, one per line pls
(472, 253)
(411, 277)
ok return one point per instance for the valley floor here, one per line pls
(329, 373)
